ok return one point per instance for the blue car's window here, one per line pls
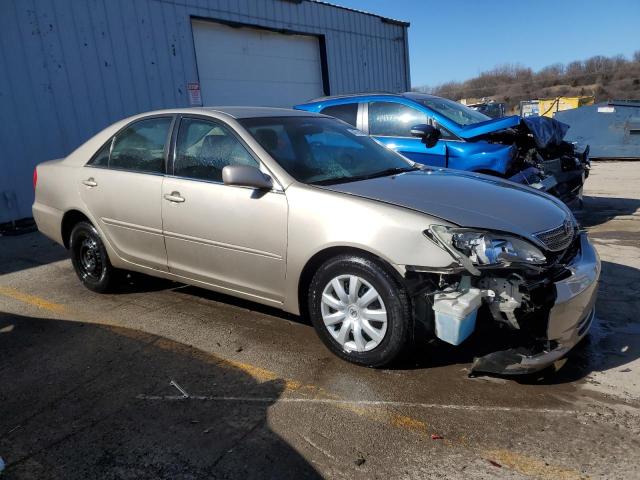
(347, 113)
(325, 150)
(461, 114)
(389, 119)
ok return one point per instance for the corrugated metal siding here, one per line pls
(69, 68)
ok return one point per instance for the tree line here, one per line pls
(605, 78)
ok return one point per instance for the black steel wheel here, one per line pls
(90, 259)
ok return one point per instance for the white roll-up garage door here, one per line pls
(248, 66)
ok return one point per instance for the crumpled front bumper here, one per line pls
(569, 319)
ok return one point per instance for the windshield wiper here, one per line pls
(382, 173)
(391, 171)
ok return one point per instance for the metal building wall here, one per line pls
(68, 68)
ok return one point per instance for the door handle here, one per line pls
(174, 197)
(90, 182)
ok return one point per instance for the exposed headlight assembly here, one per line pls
(481, 248)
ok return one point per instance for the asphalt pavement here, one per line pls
(162, 380)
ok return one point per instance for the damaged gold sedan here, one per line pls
(305, 213)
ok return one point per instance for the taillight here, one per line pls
(35, 177)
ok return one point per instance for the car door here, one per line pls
(390, 123)
(121, 186)
(230, 237)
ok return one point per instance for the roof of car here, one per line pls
(253, 112)
(352, 95)
(412, 95)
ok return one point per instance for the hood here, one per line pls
(547, 132)
(465, 199)
(490, 126)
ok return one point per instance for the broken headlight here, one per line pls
(485, 248)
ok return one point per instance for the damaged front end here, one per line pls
(543, 159)
(540, 291)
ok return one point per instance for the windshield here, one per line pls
(461, 114)
(324, 151)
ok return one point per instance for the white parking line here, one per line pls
(370, 403)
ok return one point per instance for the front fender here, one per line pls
(477, 156)
(320, 219)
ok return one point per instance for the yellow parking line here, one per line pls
(262, 374)
(32, 300)
(509, 459)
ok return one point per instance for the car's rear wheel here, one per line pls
(90, 259)
(359, 310)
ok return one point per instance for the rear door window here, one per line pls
(101, 159)
(347, 112)
(140, 147)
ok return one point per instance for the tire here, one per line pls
(90, 259)
(349, 326)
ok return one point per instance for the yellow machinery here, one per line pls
(549, 106)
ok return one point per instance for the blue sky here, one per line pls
(457, 39)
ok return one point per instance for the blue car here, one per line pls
(530, 151)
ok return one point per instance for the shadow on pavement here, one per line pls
(28, 250)
(614, 340)
(598, 210)
(71, 408)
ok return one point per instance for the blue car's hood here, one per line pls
(493, 125)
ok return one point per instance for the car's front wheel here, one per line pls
(90, 259)
(359, 310)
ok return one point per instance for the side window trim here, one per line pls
(168, 143)
(112, 139)
(215, 121)
(165, 149)
(95, 155)
(363, 117)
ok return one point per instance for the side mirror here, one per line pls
(246, 176)
(427, 133)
